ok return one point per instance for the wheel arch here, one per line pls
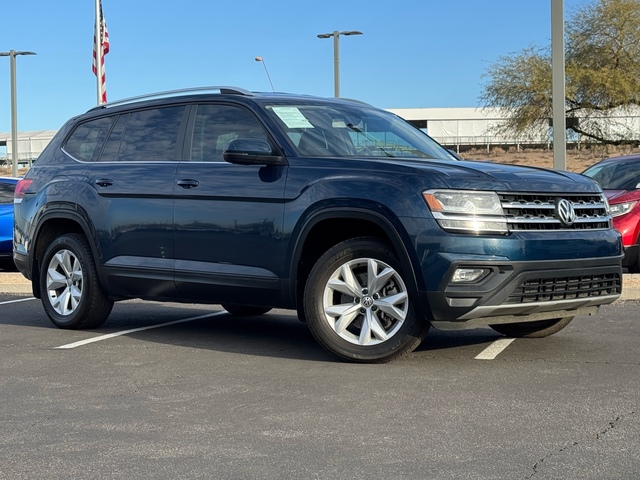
(52, 225)
(327, 227)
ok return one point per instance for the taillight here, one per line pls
(21, 189)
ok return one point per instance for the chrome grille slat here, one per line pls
(537, 211)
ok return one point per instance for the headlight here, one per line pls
(466, 210)
(621, 208)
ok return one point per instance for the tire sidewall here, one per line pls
(408, 336)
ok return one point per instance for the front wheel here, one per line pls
(540, 329)
(635, 268)
(358, 304)
(71, 293)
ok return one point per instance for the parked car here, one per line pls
(344, 212)
(7, 186)
(620, 179)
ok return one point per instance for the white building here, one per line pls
(456, 128)
(30, 144)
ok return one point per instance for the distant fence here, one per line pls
(462, 129)
(464, 143)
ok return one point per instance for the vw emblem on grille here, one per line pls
(565, 211)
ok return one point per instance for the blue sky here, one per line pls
(412, 54)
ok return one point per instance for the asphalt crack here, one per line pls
(598, 437)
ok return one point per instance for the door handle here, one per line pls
(188, 183)
(104, 182)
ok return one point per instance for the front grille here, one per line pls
(531, 211)
(566, 288)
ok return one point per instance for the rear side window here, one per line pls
(6, 192)
(86, 141)
(145, 136)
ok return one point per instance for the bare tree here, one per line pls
(602, 77)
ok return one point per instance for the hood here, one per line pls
(494, 176)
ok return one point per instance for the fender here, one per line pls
(369, 211)
(74, 215)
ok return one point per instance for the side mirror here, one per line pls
(251, 151)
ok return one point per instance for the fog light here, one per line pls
(468, 274)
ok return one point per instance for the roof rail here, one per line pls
(222, 90)
(355, 100)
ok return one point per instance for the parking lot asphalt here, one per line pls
(11, 282)
(188, 391)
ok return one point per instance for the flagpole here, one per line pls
(97, 48)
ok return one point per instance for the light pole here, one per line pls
(336, 56)
(260, 59)
(14, 116)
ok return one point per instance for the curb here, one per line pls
(630, 293)
(15, 283)
(11, 282)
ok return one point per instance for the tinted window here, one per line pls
(145, 136)
(616, 175)
(6, 192)
(216, 125)
(112, 148)
(349, 129)
(85, 143)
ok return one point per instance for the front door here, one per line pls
(228, 218)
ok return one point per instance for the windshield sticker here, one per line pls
(292, 117)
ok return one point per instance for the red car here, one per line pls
(619, 177)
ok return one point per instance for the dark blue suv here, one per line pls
(344, 212)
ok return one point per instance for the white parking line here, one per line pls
(493, 350)
(16, 301)
(134, 330)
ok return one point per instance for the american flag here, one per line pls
(103, 49)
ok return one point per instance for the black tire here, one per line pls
(358, 318)
(71, 293)
(245, 310)
(635, 268)
(540, 329)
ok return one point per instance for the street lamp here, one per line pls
(260, 59)
(14, 117)
(336, 56)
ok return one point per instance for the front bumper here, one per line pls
(515, 292)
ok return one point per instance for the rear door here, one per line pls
(134, 182)
(228, 218)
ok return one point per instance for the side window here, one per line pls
(112, 147)
(145, 136)
(216, 125)
(85, 142)
(6, 192)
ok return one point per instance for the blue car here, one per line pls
(361, 223)
(7, 186)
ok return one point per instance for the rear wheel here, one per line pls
(358, 305)
(245, 310)
(71, 293)
(540, 329)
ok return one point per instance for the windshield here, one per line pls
(616, 175)
(353, 130)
